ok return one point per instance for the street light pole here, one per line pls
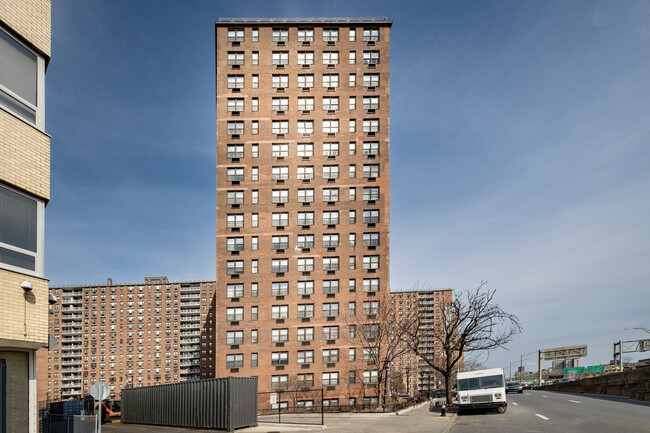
(642, 329)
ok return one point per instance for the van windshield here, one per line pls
(480, 383)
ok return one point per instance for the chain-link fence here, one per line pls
(300, 406)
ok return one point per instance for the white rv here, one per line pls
(482, 389)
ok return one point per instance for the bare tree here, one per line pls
(472, 322)
(381, 340)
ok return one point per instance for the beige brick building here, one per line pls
(24, 193)
(302, 200)
(150, 332)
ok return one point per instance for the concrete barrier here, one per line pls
(634, 384)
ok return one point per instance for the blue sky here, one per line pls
(520, 152)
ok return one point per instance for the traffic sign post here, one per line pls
(100, 392)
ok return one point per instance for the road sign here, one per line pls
(578, 370)
(100, 391)
(595, 369)
(568, 352)
(274, 398)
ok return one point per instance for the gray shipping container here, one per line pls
(223, 403)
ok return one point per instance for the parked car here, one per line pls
(514, 387)
(440, 393)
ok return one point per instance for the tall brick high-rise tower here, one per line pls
(302, 199)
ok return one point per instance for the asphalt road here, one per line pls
(541, 411)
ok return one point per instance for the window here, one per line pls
(370, 331)
(353, 125)
(306, 172)
(255, 81)
(280, 219)
(330, 286)
(353, 102)
(279, 265)
(235, 57)
(352, 262)
(255, 127)
(305, 287)
(370, 80)
(352, 308)
(330, 172)
(330, 218)
(305, 218)
(235, 35)
(235, 244)
(235, 267)
(235, 128)
(21, 231)
(371, 148)
(305, 356)
(305, 127)
(234, 361)
(331, 80)
(330, 194)
(235, 151)
(235, 221)
(234, 337)
(235, 81)
(279, 335)
(330, 309)
(330, 35)
(235, 197)
(305, 57)
(371, 307)
(330, 57)
(255, 58)
(255, 35)
(370, 102)
(234, 314)
(330, 355)
(370, 125)
(353, 57)
(371, 35)
(330, 149)
(235, 174)
(253, 313)
(254, 266)
(305, 104)
(254, 285)
(281, 81)
(280, 196)
(305, 334)
(280, 104)
(305, 35)
(330, 103)
(370, 57)
(370, 216)
(306, 264)
(370, 377)
(371, 194)
(279, 311)
(330, 379)
(253, 359)
(280, 173)
(279, 242)
(279, 150)
(370, 262)
(352, 331)
(370, 239)
(353, 34)
(280, 58)
(305, 310)
(371, 170)
(305, 195)
(305, 80)
(279, 358)
(353, 171)
(279, 382)
(352, 239)
(280, 35)
(352, 81)
(329, 126)
(255, 150)
(255, 220)
(280, 127)
(280, 288)
(330, 263)
(235, 105)
(330, 240)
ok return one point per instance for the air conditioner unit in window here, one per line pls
(371, 111)
(280, 89)
(305, 66)
(235, 66)
(306, 43)
(331, 111)
(331, 89)
(279, 112)
(236, 90)
(331, 43)
(279, 66)
(236, 44)
(372, 65)
(306, 111)
(306, 89)
(331, 66)
(371, 42)
(281, 43)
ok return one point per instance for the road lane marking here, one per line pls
(541, 416)
(574, 401)
(515, 403)
(545, 396)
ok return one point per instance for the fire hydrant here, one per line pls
(444, 409)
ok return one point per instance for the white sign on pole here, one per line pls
(100, 391)
(274, 398)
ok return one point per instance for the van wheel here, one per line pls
(501, 409)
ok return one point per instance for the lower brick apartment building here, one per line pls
(415, 375)
(133, 334)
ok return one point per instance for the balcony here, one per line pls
(190, 318)
(191, 325)
(190, 348)
(68, 331)
(190, 304)
(191, 296)
(185, 311)
(72, 369)
(190, 334)
(190, 355)
(67, 300)
(190, 340)
(191, 289)
(66, 317)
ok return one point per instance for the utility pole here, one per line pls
(539, 367)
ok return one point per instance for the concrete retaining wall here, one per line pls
(634, 384)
